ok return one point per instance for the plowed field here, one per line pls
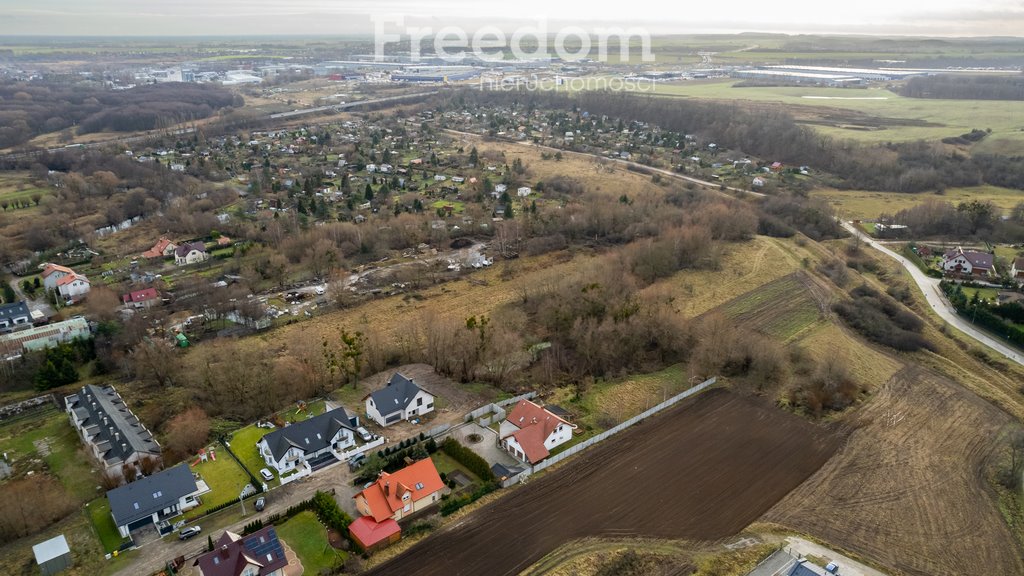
(704, 469)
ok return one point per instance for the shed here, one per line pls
(372, 535)
(53, 555)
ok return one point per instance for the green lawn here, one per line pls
(457, 207)
(308, 539)
(98, 512)
(293, 414)
(446, 465)
(225, 479)
(243, 444)
(989, 294)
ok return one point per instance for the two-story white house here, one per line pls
(530, 432)
(400, 399)
(65, 281)
(315, 442)
(968, 263)
(190, 253)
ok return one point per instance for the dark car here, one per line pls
(189, 532)
(356, 461)
(261, 503)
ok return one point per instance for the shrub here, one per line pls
(467, 458)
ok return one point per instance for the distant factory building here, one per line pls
(800, 77)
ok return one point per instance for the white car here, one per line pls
(320, 290)
(267, 474)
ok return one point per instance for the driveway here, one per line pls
(487, 448)
(847, 567)
(42, 304)
(933, 294)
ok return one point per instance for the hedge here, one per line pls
(468, 458)
(451, 505)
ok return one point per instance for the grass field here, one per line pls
(934, 119)
(446, 465)
(781, 309)
(308, 539)
(225, 479)
(858, 204)
(66, 460)
(99, 514)
(243, 444)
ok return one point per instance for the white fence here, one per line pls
(608, 433)
(359, 449)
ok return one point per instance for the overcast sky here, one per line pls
(264, 17)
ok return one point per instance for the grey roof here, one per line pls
(151, 494)
(16, 310)
(110, 425)
(397, 395)
(53, 548)
(805, 568)
(309, 435)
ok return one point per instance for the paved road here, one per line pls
(847, 567)
(930, 287)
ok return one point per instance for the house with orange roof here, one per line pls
(407, 491)
(164, 248)
(65, 281)
(530, 432)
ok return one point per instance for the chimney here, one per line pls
(117, 436)
(224, 550)
(387, 488)
(124, 447)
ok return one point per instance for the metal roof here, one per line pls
(53, 548)
(397, 395)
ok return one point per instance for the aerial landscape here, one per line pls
(324, 287)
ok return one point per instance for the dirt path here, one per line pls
(703, 470)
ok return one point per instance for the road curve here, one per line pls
(933, 294)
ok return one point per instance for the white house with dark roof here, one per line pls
(14, 316)
(111, 432)
(310, 444)
(400, 399)
(155, 500)
(968, 262)
(190, 253)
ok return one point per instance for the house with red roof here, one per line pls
(530, 432)
(141, 298)
(371, 535)
(164, 248)
(65, 281)
(407, 491)
(258, 554)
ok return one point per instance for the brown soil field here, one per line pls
(704, 469)
(909, 488)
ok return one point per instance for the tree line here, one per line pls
(956, 87)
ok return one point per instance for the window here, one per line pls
(405, 496)
(136, 505)
(419, 401)
(419, 485)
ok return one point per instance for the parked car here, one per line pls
(189, 532)
(356, 461)
(320, 290)
(267, 474)
(261, 503)
(364, 434)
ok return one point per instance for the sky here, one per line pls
(345, 17)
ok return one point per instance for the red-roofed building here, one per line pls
(258, 554)
(142, 298)
(372, 535)
(530, 432)
(164, 248)
(407, 491)
(65, 281)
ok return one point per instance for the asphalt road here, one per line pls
(930, 287)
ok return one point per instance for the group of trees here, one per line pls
(957, 87)
(28, 109)
(969, 219)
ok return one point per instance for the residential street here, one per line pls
(930, 287)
